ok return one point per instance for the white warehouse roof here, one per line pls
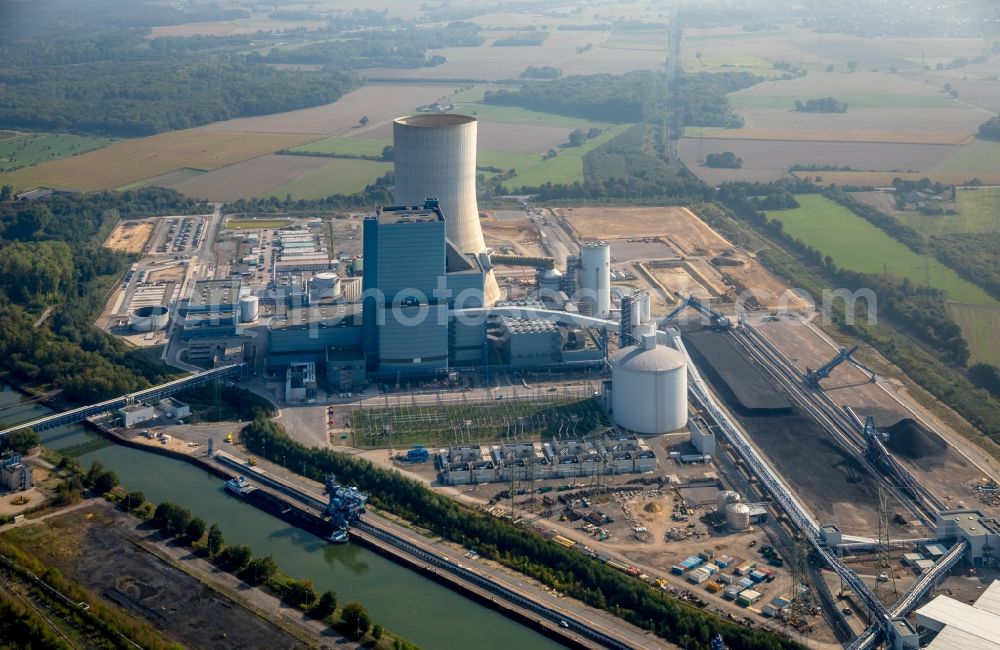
(966, 627)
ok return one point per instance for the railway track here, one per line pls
(839, 424)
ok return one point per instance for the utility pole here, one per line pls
(883, 564)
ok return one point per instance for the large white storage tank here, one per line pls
(737, 516)
(649, 387)
(249, 309)
(595, 275)
(325, 285)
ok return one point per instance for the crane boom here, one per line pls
(813, 377)
(718, 320)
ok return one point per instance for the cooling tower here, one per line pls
(435, 156)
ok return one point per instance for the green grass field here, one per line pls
(339, 176)
(978, 211)
(506, 159)
(854, 243)
(567, 167)
(637, 39)
(518, 115)
(749, 100)
(346, 146)
(256, 224)
(24, 149)
(979, 327)
(977, 157)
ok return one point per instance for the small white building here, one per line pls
(136, 414)
(174, 408)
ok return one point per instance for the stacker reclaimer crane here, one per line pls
(813, 377)
(720, 321)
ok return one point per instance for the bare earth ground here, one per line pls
(520, 233)
(130, 236)
(691, 234)
(104, 551)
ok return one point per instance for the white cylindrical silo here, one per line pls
(434, 155)
(724, 498)
(642, 301)
(737, 516)
(649, 388)
(249, 309)
(595, 275)
(325, 285)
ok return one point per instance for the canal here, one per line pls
(404, 601)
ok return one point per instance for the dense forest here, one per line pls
(820, 105)
(108, 78)
(50, 256)
(520, 548)
(990, 129)
(400, 48)
(637, 96)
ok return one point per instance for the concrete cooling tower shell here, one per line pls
(434, 155)
(649, 388)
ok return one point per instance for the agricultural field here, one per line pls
(884, 179)
(854, 243)
(258, 21)
(567, 167)
(333, 176)
(766, 161)
(133, 160)
(25, 149)
(637, 39)
(567, 50)
(518, 115)
(346, 146)
(260, 176)
(977, 159)
(979, 327)
(256, 224)
(381, 103)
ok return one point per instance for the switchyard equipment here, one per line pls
(813, 377)
(719, 321)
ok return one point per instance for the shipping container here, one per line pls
(713, 587)
(730, 593)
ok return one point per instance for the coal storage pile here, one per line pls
(910, 439)
(741, 384)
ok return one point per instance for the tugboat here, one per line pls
(338, 536)
(240, 486)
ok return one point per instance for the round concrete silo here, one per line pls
(649, 388)
(737, 516)
(595, 276)
(249, 309)
(724, 498)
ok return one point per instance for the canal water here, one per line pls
(404, 601)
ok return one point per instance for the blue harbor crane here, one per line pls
(719, 321)
(813, 377)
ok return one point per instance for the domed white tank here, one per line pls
(595, 276)
(325, 285)
(149, 318)
(724, 498)
(550, 281)
(737, 516)
(249, 309)
(649, 387)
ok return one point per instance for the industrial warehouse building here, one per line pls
(963, 627)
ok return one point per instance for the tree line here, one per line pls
(519, 548)
(51, 256)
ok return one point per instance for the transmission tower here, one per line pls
(883, 564)
(802, 602)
